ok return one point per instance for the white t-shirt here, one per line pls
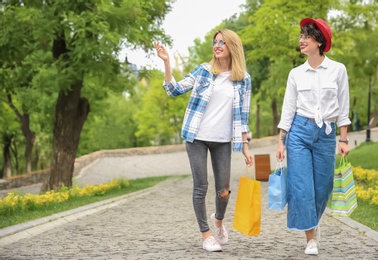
(216, 123)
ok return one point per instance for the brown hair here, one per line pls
(312, 30)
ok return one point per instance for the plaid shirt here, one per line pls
(201, 81)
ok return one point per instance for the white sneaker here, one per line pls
(211, 245)
(220, 234)
(312, 247)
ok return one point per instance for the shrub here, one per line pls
(14, 202)
(366, 184)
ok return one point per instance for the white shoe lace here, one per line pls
(212, 241)
(219, 232)
(314, 244)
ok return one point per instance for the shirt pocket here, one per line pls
(329, 91)
(202, 86)
(241, 92)
(305, 92)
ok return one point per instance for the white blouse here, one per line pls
(321, 94)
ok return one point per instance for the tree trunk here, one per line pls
(70, 114)
(257, 134)
(28, 134)
(35, 160)
(7, 140)
(275, 116)
(30, 137)
(71, 111)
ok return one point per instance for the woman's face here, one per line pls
(220, 47)
(308, 44)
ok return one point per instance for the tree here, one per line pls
(160, 117)
(272, 46)
(16, 73)
(8, 132)
(84, 39)
(110, 125)
(355, 41)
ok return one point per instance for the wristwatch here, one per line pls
(344, 141)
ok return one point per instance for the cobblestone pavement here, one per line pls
(159, 223)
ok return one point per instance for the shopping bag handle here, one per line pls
(278, 166)
(343, 160)
(252, 170)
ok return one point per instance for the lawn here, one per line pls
(365, 156)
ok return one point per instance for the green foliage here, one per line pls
(355, 36)
(111, 126)
(160, 117)
(96, 31)
(47, 47)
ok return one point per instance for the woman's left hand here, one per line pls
(343, 149)
(249, 159)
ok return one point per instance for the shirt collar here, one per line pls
(324, 64)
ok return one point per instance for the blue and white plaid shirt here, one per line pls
(201, 81)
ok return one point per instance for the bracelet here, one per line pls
(344, 141)
(245, 142)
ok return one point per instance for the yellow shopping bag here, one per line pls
(247, 217)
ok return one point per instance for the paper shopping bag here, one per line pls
(277, 188)
(343, 197)
(247, 217)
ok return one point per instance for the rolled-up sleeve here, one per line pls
(246, 105)
(343, 98)
(175, 89)
(289, 106)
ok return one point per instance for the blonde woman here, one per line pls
(216, 121)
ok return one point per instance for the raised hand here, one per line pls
(161, 51)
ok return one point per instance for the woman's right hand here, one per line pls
(161, 51)
(280, 155)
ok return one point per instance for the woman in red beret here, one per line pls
(316, 101)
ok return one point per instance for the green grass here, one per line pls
(135, 185)
(366, 214)
(365, 156)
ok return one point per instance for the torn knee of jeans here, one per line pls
(224, 194)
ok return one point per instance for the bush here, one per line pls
(16, 203)
(366, 184)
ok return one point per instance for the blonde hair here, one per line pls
(235, 46)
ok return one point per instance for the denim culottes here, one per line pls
(311, 158)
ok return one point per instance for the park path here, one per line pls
(159, 223)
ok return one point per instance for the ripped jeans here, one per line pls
(221, 163)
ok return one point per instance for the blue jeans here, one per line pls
(221, 162)
(311, 158)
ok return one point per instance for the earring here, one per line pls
(320, 45)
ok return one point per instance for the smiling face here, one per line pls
(308, 45)
(311, 40)
(220, 51)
